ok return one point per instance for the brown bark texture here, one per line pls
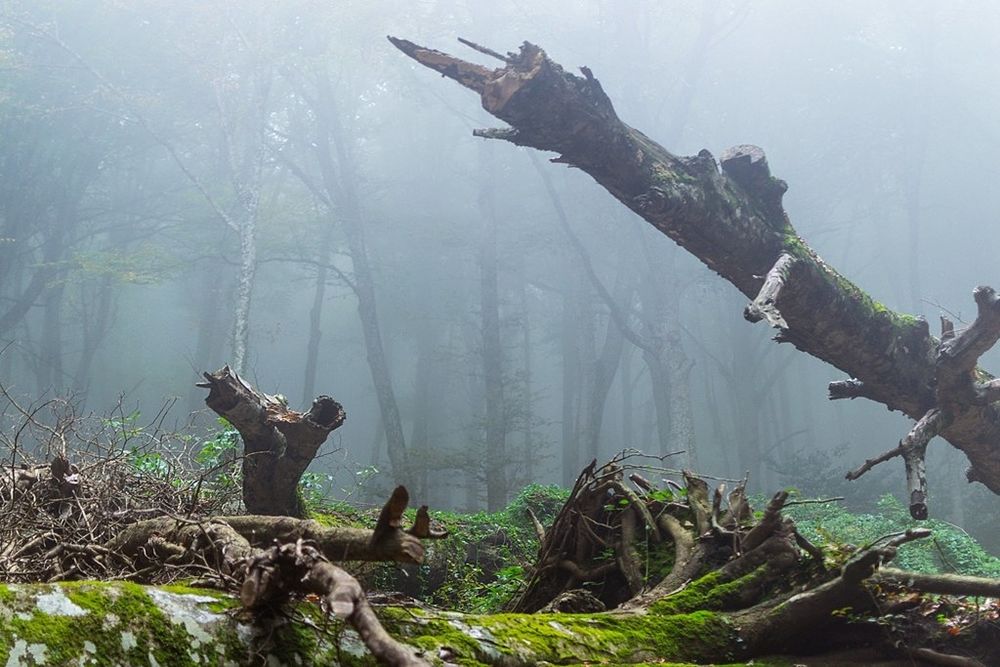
(279, 443)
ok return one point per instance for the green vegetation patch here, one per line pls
(949, 549)
(565, 638)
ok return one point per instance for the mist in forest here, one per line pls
(273, 186)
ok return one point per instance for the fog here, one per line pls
(272, 185)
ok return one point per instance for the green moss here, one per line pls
(793, 244)
(710, 593)
(96, 625)
(568, 638)
(116, 624)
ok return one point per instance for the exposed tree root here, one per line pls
(297, 563)
(281, 572)
(768, 585)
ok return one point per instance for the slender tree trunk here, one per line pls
(570, 383)
(50, 360)
(316, 319)
(95, 326)
(244, 293)
(682, 436)
(211, 339)
(528, 442)
(627, 391)
(246, 171)
(660, 379)
(602, 375)
(492, 351)
(422, 391)
(341, 186)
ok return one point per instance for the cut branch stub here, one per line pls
(389, 538)
(747, 166)
(853, 388)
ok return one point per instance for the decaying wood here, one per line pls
(386, 542)
(771, 584)
(730, 216)
(271, 559)
(278, 443)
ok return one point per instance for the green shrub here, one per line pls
(950, 549)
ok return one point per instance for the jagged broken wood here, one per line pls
(729, 215)
(278, 443)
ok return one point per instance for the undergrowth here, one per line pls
(949, 550)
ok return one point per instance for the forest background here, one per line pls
(185, 184)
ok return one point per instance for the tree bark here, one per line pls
(278, 443)
(734, 222)
(272, 559)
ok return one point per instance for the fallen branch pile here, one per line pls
(113, 503)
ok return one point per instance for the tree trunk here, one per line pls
(423, 391)
(95, 322)
(50, 357)
(492, 351)
(734, 222)
(571, 376)
(278, 443)
(341, 187)
(528, 454)
(315, 324)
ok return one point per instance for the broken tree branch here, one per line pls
(734, 223)
(763, 306)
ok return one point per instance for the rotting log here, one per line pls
(718, 584)
(278, 443)
(728, 213)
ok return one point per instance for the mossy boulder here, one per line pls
(120, 623)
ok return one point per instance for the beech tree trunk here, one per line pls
(495, 430)
(729, 214)
(339, 182)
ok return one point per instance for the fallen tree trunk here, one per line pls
(729, 214)
(689, 574)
